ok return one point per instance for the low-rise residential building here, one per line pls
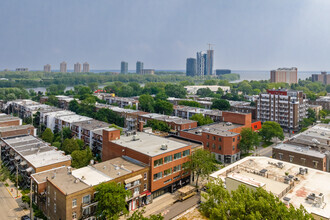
(66, 193)
(286, 107)
(8, 120)
(167, 158)
(291, 183)
(316, 109)
(243, 107)
(24, 108)
(48, 117)
(176, 101)
(175, 123)
(121, 101)
(29, 155)
(193, 89)
(303, 156)
(20, 130)
(68, 120)
(324, 101)
(87, 131)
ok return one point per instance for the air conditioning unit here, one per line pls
(164, 147)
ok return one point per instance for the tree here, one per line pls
(201, 120)
(161, 96)
(47, 135)
(245, 203)
(158, 125)
(175, 90)
(271, 129)
(81, 158)
(220, 91)
(163, 107)
(74, 106)
(52, 100)
(220, 104)
(249, 139)
(202, 163)
(311, 115)
(111, 199)
(93, 86)
(70, 145)
(204, 92)
(138, 215)
(327, 88)
(146, 103)
(190, 103)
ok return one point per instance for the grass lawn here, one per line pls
(266, 144)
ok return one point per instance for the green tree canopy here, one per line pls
(81, 158)
(70, 145)
(249, 139)
(201, 120)
(175, 90)
(271, 129)
(190, 103)
(220, 104)
(138, 215)
(158, 125)
(146, 103)
(111, 199)
(202, 163)
(163, 107)
(204, 92)
(245, 203)
(47, 135)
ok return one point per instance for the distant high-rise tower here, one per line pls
(63, 67)
(287, 75)
(77, 68)
(201, 63)
(86, 67)
(124, 67)
(191, 67)
(139, 67)
(47, 68)
(209, 62)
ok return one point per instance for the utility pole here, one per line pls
(31, 209)
(17, 180)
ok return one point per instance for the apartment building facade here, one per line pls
(8, 120)
(324, 78)
(166, 158)
(324, 101)
(286, 75)
(67, 193)
(288, 108)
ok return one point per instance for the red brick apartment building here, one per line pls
(223, 138)
(167, 158)
(7, 120)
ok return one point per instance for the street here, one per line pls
(9, 208)
(179, 207)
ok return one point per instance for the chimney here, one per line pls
(140, 127)
(110, 135)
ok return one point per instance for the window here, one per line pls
(158, 176)
(158, 162)
(86, 199)
(74, 215)
(219, 139)
(234, 147)
(185, 173)
(233, 139)
(54, 195)
(315, 163)
(186, 153)
(145, 176)
(280, 156)
(177, 168)
(213, 137)
(208, 136)
(291, 158)
(238, 138)
(48, 189)
(167, 172)
(177, 156)
(176, 177)
(213, 146)
(167, 181)
(48, 201)
(219, 147)
(185, 165)
(207, 144)
(54, 207)
(145, 187)
(168, 159)
(303, 161)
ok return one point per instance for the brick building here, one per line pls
(66, 193)
(286, 75)
(7, 120)
(286, 107)
(167, 158)
(14, 131)
(324, 78)
(303, 156)
(30, 155)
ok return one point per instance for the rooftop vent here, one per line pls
(229, 123)
(69, 170)
(117, 167)
(135, 138)
(118, 173)
(163, 147)
(83, 177)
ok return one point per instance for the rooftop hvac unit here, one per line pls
(135, 138)
(164, 147)
(229, 123)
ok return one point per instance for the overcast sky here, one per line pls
(247, 34)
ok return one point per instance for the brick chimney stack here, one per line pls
(140, 127)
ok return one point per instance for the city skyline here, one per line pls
(256, 38)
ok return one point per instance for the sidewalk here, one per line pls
(11, 188)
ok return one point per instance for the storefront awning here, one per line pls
(132, 179)
(145, 193)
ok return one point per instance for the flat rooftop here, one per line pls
(186, 141)
(168, 118)
(314, 181)
(73, 118)
(16, 128)
(300, 150)
(219, 128)
(4, 118)
(35, 151)
(92, 124)
(149, 144)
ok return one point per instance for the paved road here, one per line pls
(9, 208)
(179, 207)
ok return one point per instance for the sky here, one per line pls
(247, 34)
